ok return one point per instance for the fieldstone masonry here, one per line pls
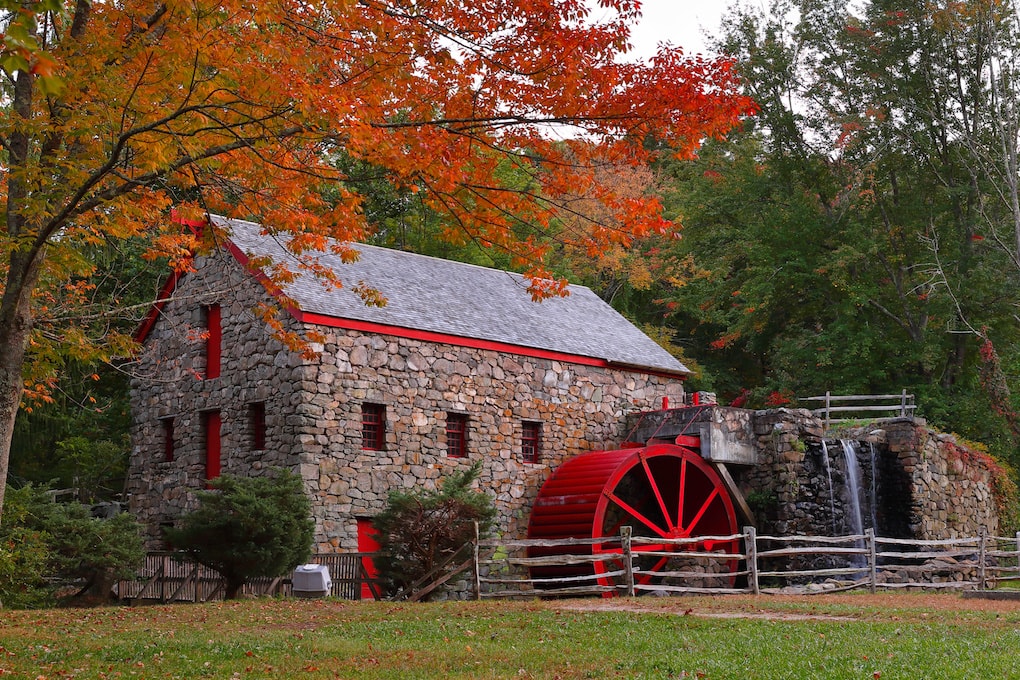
(313, 410)
(928, 486)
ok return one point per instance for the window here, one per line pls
(211, 426)
(257, 420)
(531, 441)
(373, 426)
(213, 341)
(167, 425)
(456, 435)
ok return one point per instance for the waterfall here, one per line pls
(853, 487)
(832, 497)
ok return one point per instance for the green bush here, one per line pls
(47, 547)
(248, 527)
(420, 530)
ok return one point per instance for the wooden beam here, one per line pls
(735, 494)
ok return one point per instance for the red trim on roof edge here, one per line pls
(474, 343)
(271, 287)
(157, 307)
(196, 227)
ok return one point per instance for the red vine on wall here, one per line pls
(1004, 489)
(993, 381)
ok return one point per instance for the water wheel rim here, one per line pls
(670, 517)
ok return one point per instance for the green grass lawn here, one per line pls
(729, 637)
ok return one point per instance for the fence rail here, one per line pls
(755, 564)
(863, 406)
(631, 565)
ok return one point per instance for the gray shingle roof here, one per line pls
(430, 294)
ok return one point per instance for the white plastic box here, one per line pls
(311, 580)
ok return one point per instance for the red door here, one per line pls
(367, 543)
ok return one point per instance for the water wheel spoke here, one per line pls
(626, 507)
(680, 493)
(615, 529)
(701, 511)
(658, 494)
(645, 579)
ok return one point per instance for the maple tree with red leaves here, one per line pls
(494, 112)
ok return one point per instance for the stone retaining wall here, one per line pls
(928, 486)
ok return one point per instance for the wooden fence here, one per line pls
(631, 565)
(763, 564)
(862, 406)
(174, 577)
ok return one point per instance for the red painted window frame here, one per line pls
(257, 413)
(213, 341)
(212, 424)
(531, 441)
(456, 435)
(373, 427)
(168, 439)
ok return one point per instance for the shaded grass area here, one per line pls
(739, 637)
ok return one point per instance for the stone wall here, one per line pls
(313, 407)
(927, 486)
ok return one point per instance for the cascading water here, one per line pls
(828, 475)
(853, 487)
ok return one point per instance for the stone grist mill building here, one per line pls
(580, 421)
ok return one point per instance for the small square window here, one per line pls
(373, 427)
(456, 435)
(531, 441)
(257, 418)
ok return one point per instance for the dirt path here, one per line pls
(825, 607)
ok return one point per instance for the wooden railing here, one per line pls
(505, 568)
(174, 577)
(862, 406)
(632, 565)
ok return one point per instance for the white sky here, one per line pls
(677, 21)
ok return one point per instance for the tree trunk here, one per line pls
(15, 332)
(232, 588)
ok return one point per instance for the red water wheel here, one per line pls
(661, 491)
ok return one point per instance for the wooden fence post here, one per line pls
(872, 559)
(983, 536)
(478, 576)
(751, 548)
(828, 402)
(1018, 553)
(628, 558)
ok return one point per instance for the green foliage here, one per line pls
(24, 556)
(47, 546)
(420, 529)
(247, 527)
